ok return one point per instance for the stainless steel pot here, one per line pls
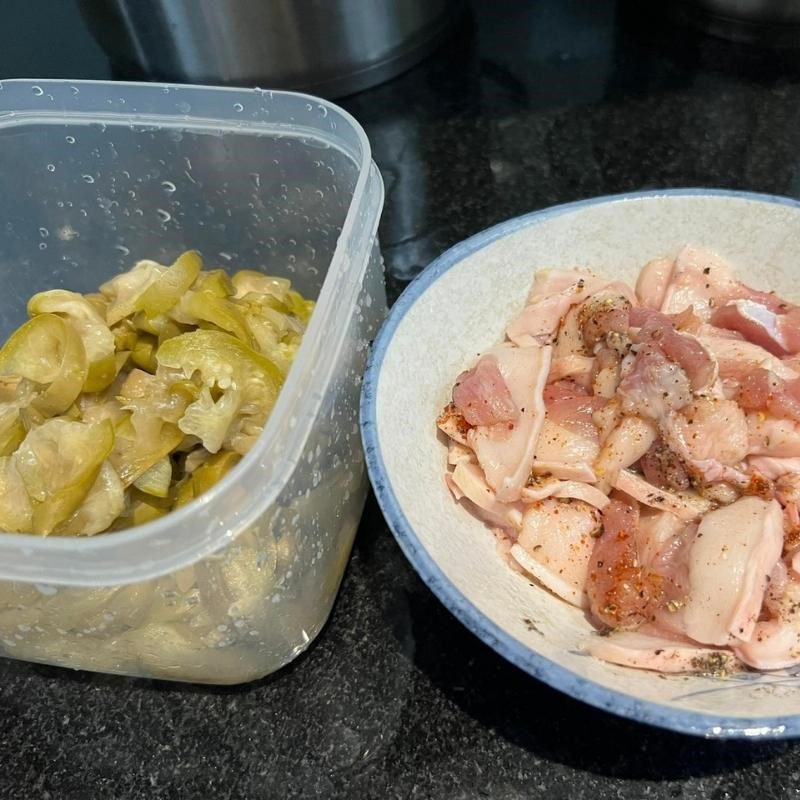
(328, 47)
(769, 22)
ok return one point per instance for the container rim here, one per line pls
(190, 533)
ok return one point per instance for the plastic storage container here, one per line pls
(99, 175)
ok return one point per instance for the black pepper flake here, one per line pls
(706, 270)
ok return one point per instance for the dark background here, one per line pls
(527, 104)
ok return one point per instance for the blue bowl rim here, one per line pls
(522, 656)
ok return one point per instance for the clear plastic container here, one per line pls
(99, 175)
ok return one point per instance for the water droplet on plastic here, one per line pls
(319, 193)
(44, 233)
(256, 179)
(70, 139)
(74, 90)
(165, 89)
(309, 107)
(122, 249)
(323, 110)
(238, 107)
(169, 186)
(42, 245)
(88, 178)
(226, 256)
(51, 167)
(164, 216)
(37, 90)
(183, 107)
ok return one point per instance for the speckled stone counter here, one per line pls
(526, 105)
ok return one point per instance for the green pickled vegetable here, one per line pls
(49, 352)
(161, 295)
(96, 336)
(58, 463)
(119, 406)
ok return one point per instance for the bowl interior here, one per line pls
(457, 309)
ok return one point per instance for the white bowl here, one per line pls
(457, 308)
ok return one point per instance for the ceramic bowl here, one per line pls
(457, 308)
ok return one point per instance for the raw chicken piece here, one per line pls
(775, 643)
(542, 488)
(467, 481)
(451, 422)
(570, 406)
(656, 528)
(711, 428)
(699, 279)
(687, 506)
(684, 349)
(569, 341)
(653, 280)
(764, 390)
(565, 454)
(705, 281)
(605, 312)
(548, 282)
(779, 333)
(625, 445)
(737, 359)
(654, 386)
(779, 438)
(606, 374)
(482, 396)
(643, 651)
(622, 592)
(506, 451)
(664, 468)
(456, 453)
(555, 545)
(773, 468)
(574, 367)
(554, 292)
(551, 298)
(734, 551)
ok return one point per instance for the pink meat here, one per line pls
(762, 390)
(682, 348)
(482, 396)
(655, 385)
(622, 592)
(571, 406)
(506, 451)
(778, 333)
(704, 281)
(737, 358)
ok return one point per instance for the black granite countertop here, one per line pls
(526, 105)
